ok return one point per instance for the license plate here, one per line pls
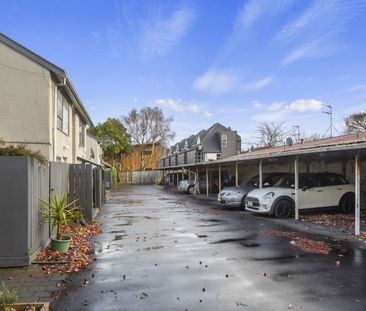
(250, 203)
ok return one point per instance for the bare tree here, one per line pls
(148, 126)
(356, 122)
(270, 133)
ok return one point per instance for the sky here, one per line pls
(234, 62)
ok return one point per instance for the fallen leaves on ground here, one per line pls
(346, 221)
(311, 246)
(288, 234)
(78, 256)
(305, 244)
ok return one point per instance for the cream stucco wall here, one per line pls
(93, 144)
(25, 101)
(28, 109)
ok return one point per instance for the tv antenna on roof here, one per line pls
(331, 126)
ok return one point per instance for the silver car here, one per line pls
(234, 196)
(186, 186)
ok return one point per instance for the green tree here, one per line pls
(356, 122)
(115, 140)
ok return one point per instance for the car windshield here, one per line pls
(270, 180)
(254, 181)
(286, 181)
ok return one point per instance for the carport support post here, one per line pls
(207, 180)
(296, 189)
(260, 175)
(357, 193)
(219, 177)
(236, 174)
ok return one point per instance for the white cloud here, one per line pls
(160, 34)
(179, 106)
(258, 105)
(253, 10)
(306, 50)
(279, 110)
(258, 85)
(216, 82)
(302, 105)
(276, 106)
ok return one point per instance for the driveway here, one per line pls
(166, 251)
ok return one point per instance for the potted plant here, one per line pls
(59, 213)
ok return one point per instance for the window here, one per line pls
(82, 131)
(224, 141)
(330, 179)
(62, 114)
(147, 152)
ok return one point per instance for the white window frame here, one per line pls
(63, 114)
(224, 140)
(82, 135)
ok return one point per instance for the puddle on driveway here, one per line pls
(119, 237)
(124, 201)
(250, 244)
(282, 257)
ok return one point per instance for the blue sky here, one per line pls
(206, 61)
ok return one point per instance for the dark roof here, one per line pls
(192, 140)
(328, 143)
(58, 73)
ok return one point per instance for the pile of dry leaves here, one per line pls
(346, 221)
(78, 256)
(311, 246)
(288, 234)
(306, 245)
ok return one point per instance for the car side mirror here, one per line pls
(305, 188)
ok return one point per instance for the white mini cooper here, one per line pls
(316, 190)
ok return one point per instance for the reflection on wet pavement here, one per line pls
(176, 253)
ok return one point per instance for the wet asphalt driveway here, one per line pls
(166, 251)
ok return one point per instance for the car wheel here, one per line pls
(191, 189)
(347, 203)
(283, 208)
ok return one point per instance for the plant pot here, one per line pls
(61, 245)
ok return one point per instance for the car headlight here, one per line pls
(268, 195)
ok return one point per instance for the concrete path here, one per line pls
(167, 251)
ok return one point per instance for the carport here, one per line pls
(343, 154)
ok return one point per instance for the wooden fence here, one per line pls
(81, 182)
(139, 177)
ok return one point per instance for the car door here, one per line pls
(311, 194)
(334, 187)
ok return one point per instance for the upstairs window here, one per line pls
(224, 141)
(82, 132)
(62, 114)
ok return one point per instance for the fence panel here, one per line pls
(139, 177)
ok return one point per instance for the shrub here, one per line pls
(7, 296)
(20, 151)
(114, 177)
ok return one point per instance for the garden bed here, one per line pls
(77, 258)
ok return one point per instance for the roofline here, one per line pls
(294, 153)
(58, 72)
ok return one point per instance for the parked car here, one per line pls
(187, 186)
(235, 195)
(317, 190)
